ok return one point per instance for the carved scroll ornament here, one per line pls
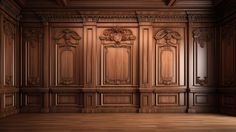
(167, 35)
(117, 35)
(69, 38)
(33, 36)
(167, 41)
(201, 37)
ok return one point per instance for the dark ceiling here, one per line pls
(147, 4)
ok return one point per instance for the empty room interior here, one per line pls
(117, 65)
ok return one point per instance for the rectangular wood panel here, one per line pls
(228, 75)
(117, 99)
(64, 99)
(117, 65)
(167, 99)
(118, 54)
(9, 100)
(33, 99)
(201, 99)
(32, 42)
(169, 57)
(204, 56)
(66, 57)
(9, 49)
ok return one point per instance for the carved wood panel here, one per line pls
(204, 55)
(33, 44)
(9, 39)
(117, 56)
(9, 100)
(66, 55)
(228, 70)
(169, 57)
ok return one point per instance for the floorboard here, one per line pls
(118, 122)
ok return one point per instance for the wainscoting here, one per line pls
(94, 65)
(170, 59)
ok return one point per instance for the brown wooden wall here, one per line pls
(9, 65)
(227, 48)
(163, 62)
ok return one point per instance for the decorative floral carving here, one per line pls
(33, 81)
(69, 38)
(8, 80)
(201, 37)
(33, 36)
(66, 81)
(167, 35)
(202, 82)
(9, 29)
(166, 39)
(228, 82)
(117, 35)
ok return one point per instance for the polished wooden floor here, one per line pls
(118, 122)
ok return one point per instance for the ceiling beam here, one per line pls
(62, 2)
(170, 2)
(20, 2)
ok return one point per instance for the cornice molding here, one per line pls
(120, 16)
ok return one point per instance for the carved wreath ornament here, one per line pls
(117, 35)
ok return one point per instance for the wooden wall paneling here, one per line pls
(66, 100)
(227, 67)
(117, 56)
(105, 64)
(66, 66)
(90, 69)
(145, 54)
(145, 65)
(90, 54)
(9, 41)
(46, 64)
(8, 82)
(202, 67)
(66, 55)
(172, 72)
(1, 47)
(228, 76)
(32, 101)
(170, 65)
(117, 65)
(113, 101)
(2, 104)
(227, 102)
(33, 46)
(33, 53)
(90, 101)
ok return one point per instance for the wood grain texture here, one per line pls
(118, 122)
